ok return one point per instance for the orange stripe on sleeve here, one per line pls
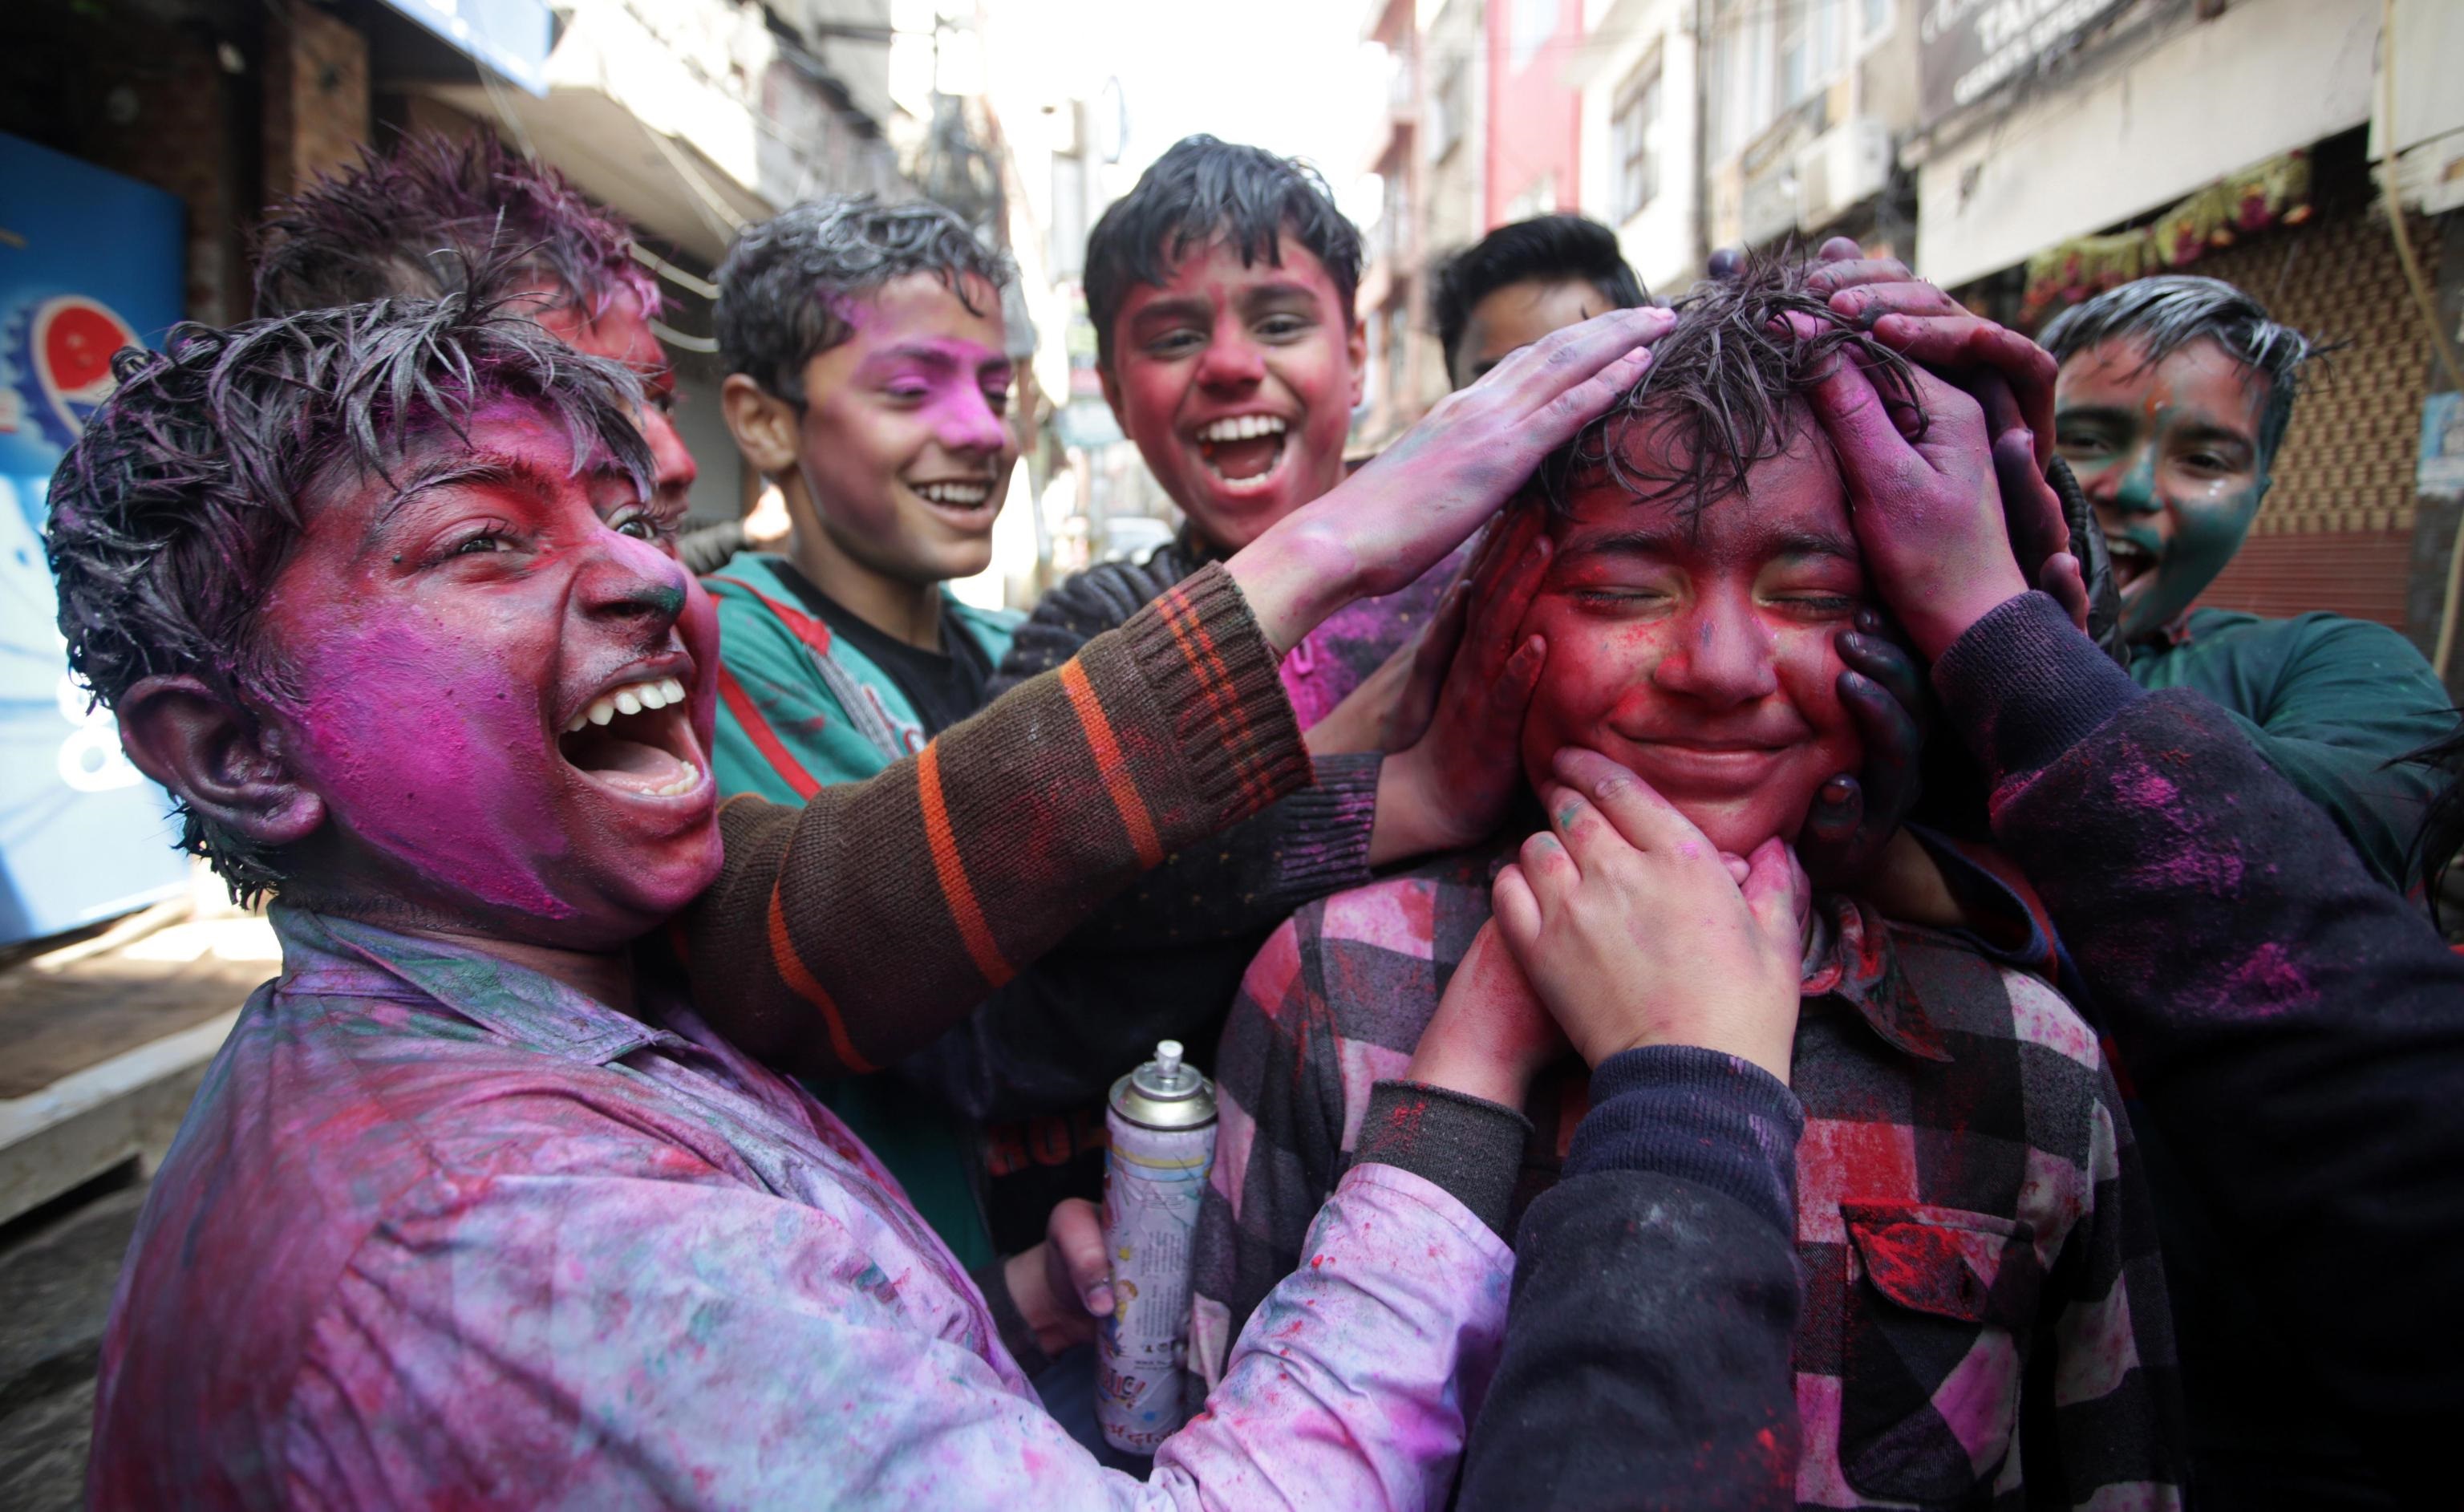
(1108, 764)
(955, 890)
(799, 982)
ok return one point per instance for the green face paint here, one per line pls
(2168, 454)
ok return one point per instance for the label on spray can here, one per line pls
(1162, 1127)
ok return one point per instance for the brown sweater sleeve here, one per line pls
(852, 932)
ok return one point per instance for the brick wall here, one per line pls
(2336, 532)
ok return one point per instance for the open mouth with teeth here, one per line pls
(1243, 450)
(2131, 561)
(960, 496)
(637, 739)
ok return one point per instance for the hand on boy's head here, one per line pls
(1924, 324)
(1634, 930)
(1928, 512)
(1420, 498)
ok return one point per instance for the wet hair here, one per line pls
(411, 224)
(1717, 395)
(175, 511)
(2442, 829)
(2166, 314)
(1198, 190)
(783, 287)
(1550, 248)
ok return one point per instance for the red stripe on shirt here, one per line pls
(765, 740)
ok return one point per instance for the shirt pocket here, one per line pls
(1938, 1301)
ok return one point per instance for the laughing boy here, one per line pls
(868, 379)
(474, 1207)
(2173, 399)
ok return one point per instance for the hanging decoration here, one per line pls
(2275, 192)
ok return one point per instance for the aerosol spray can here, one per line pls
(1162, 1125)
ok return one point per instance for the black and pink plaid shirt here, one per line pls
(1984, 1320)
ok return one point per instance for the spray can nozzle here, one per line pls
(1167, 1062)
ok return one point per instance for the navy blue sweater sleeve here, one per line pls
(2294, 1027)
(1655, 1303)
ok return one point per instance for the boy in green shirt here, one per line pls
(2174, 395)
(869, 380)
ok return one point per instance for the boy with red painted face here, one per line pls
(412, 223)
(1984, 1312)
(475, 1206)
(2174, 394)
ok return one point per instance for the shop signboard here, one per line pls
(1967, 49)
(90, 262)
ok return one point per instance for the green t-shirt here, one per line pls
(800, 708)
(2329, 702)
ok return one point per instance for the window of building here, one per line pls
(1813, 48)
(1633, 140)
(1873, 21)
(1528, 25)
(1740, 76)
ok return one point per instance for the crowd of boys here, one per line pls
(1650, 1073)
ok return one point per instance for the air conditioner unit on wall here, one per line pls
(1850, 163)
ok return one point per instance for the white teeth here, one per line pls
(964, 496)
(684, 784)
(633, 698)
(1243, 427)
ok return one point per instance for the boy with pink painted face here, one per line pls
(475, 1206)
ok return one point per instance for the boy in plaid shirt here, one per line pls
(1984, 1320)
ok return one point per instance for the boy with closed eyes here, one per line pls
(1984, 1314)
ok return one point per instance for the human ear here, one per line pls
(1355, 346)
(190, 739)
(1113, 394)
(766, 428)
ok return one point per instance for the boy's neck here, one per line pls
(904, 611)
(604, 976)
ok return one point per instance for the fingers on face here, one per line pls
(1634, 810)
(1887, 724)
(1777, 892)
(1838, 811)
(1515, 909)
(1870, 651)
(2066, 581)
(2030, 505)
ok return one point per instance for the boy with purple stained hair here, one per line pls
(413, 222)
